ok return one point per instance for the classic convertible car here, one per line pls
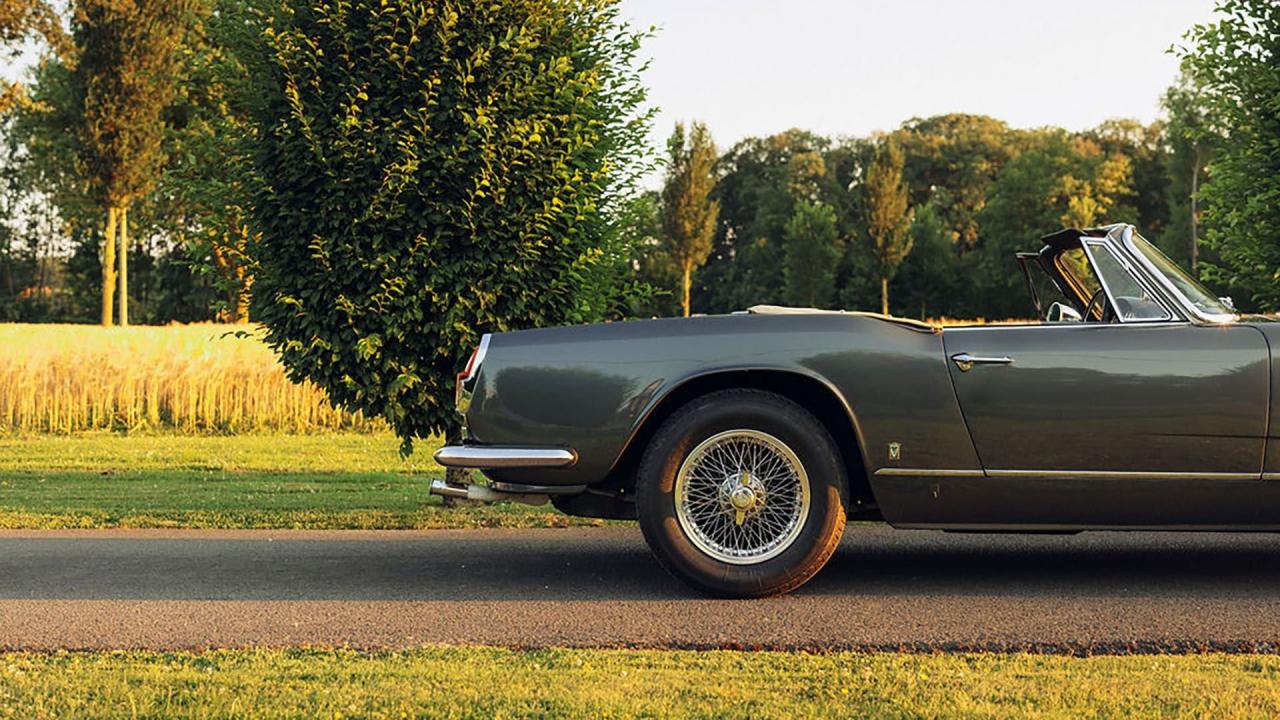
(742, 442)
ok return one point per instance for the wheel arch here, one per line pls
(812, 392)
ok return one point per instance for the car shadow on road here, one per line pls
(1097, 564)
(613, 564)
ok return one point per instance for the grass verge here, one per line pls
(471, 682)
(332, 481)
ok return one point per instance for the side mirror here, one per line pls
(1059, 313)
(1231, 304)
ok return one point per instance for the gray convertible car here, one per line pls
(743, 442)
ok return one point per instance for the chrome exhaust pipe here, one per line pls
(482, 493)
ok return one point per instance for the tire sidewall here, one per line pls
(734, 410)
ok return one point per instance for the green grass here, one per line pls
(245, 481)
(488, 682)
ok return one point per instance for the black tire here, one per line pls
(763, 412)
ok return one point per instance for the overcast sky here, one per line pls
(851, 67)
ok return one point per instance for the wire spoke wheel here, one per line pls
(742, 496)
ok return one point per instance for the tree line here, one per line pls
(127, 176)
(920, 221)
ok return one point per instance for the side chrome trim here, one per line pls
(1271, 476)
(1080, 327)
(1120, 475)
(1070, 528)
(926, 472)
(492, 457)
(1071, 474)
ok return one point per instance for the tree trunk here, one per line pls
(688, 271)
(109, 268)
(124, 267)
(6, 279)
(242, 279)
(884, 295)
(1195, 220)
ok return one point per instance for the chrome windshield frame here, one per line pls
(1090, 246)
(1188, 308)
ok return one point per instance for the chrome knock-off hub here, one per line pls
(741, 495)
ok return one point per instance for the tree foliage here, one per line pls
(123, 82)
(959, 155)
(1235, 61)
(689, 215)
(1058, 180)
(21, 20)
(432, 170)
(1191, 139)
(888, 216)
(210, 175)
(758, 182)
(809, 262)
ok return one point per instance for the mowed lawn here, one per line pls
(479, 682)
(338, 480)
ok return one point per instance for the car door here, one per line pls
(1112, 399)
(1110, 423)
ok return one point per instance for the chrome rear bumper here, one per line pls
(486, 457)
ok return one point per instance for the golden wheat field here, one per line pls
(184, 378)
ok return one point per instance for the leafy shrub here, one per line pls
(432, 171)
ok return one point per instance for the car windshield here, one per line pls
(1187, 286)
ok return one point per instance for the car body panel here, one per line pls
(1270, 329)
(1163, 426)
(591, 388)
(1067, 504)
(1116, 398)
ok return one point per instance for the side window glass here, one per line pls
(1074, 266)
(1130, 299)
(1044, 292)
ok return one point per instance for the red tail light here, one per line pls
(461, 393)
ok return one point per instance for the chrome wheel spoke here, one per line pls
(742, 496)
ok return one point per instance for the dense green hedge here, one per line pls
(432, 171)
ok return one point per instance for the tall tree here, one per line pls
(811, 253)
(689, 215)
(1235, 60)
(1191, 140)
(888, 216)
(124, 79)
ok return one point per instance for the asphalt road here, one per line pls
(884, 589)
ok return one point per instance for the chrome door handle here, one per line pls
(965, 361)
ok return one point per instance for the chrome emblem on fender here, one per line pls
(895, 451)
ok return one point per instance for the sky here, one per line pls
(853, 67)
